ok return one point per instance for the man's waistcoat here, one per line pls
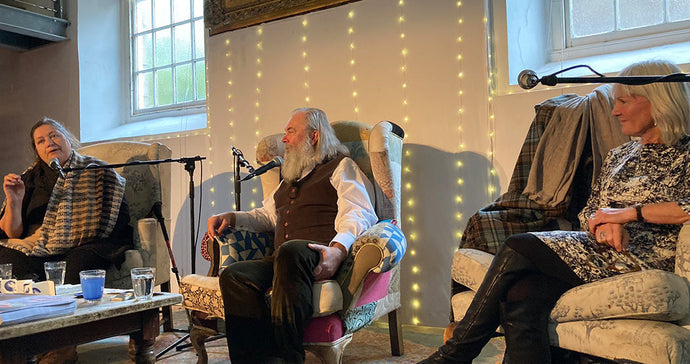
(307, 208)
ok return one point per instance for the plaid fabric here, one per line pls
(514, 213)
(84, 206)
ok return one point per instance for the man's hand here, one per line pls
(218, 223)
(613, 235)
(331, 257)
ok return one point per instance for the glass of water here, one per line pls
(55, 271)
(143, 280)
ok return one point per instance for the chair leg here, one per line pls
(396, 334)
(329, 353)
(197, 336)
(167, 311)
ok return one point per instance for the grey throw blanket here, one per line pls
(83, 207)
(559, 150)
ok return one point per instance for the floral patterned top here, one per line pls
(632, 174)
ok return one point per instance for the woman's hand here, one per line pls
(611, 216)
(613, 235)
(217, 223)
(14, 188)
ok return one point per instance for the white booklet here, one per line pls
(17, 308)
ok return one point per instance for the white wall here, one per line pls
(435, 205)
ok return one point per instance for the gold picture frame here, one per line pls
(226, 15)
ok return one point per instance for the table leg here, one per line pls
(141, 342)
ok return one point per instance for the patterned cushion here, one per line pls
(202, 293)
(239, 245)
(389, 238)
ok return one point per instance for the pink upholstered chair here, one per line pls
(371, 291)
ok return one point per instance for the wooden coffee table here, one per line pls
(90, 322)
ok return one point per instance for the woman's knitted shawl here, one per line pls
(83, 207)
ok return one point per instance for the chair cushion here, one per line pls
(239, 245)
(470, 266)
(202, 293)
(324, 329)
(648, 294)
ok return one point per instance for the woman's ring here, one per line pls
(602, 235)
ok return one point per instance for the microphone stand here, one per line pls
(190, 163)
(528, 79)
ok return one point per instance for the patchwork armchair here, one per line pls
(370, 277)
(145, 186)
(640, 317)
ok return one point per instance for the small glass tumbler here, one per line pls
(92, 284)
(6, 271)
(55, 271)
(143, 280)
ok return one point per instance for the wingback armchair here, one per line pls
(145, 185)
(370, 289)
(641, 317)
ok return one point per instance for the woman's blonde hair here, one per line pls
(670, 100)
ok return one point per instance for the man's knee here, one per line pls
(292, 251)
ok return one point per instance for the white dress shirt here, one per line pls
(355, 209)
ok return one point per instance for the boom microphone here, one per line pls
(275, 162)
(55, 165)
(527, 79)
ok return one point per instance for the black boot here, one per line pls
(525, 324)
(482, 317)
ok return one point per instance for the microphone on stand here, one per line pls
(55, 165)
(275, 162)
(527, 79)
(240, 159)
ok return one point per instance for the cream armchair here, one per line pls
(145, 185)
(371, 291)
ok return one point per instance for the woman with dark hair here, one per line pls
(633, 217)
(81, 218)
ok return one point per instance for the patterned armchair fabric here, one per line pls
(146, 184)
(369, 277)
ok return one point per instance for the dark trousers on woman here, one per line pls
(522, 285)
(260, 324)
(77, 259)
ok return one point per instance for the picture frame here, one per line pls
(226, 15)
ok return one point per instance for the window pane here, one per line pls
(161, 11)
(589, 17)
(198, 8)
(199, 39)
(639, 13)
(200, 69)
(678, 10)
(144, 90)
(163, 48)
(144, 53)
(143, 16)
(164, 94)
(184, 88)
(181, 10)
(183, 42)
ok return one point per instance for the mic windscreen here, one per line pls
(54, 164)
(527, 79)
(278, 160)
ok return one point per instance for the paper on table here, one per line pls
(17, 308)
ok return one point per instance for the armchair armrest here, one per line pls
(154, 252)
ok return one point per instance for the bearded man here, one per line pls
(322, 204)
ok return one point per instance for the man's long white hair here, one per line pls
(328, 145)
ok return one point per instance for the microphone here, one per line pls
(55, 165)
(275, 162)
(527, 79)
(240, 159)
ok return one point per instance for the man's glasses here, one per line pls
(603, 259)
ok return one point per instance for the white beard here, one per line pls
(297, 161)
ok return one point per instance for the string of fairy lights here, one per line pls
(305, 55)
(257, 103)
(491, 120)
(352, 62)
(461, 143)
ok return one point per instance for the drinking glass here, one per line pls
(142, 282)
(55, 271)
(92, 284)
(6, 271)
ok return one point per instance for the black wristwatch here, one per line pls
(638, 209)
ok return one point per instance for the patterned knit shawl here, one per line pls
(83, 207)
